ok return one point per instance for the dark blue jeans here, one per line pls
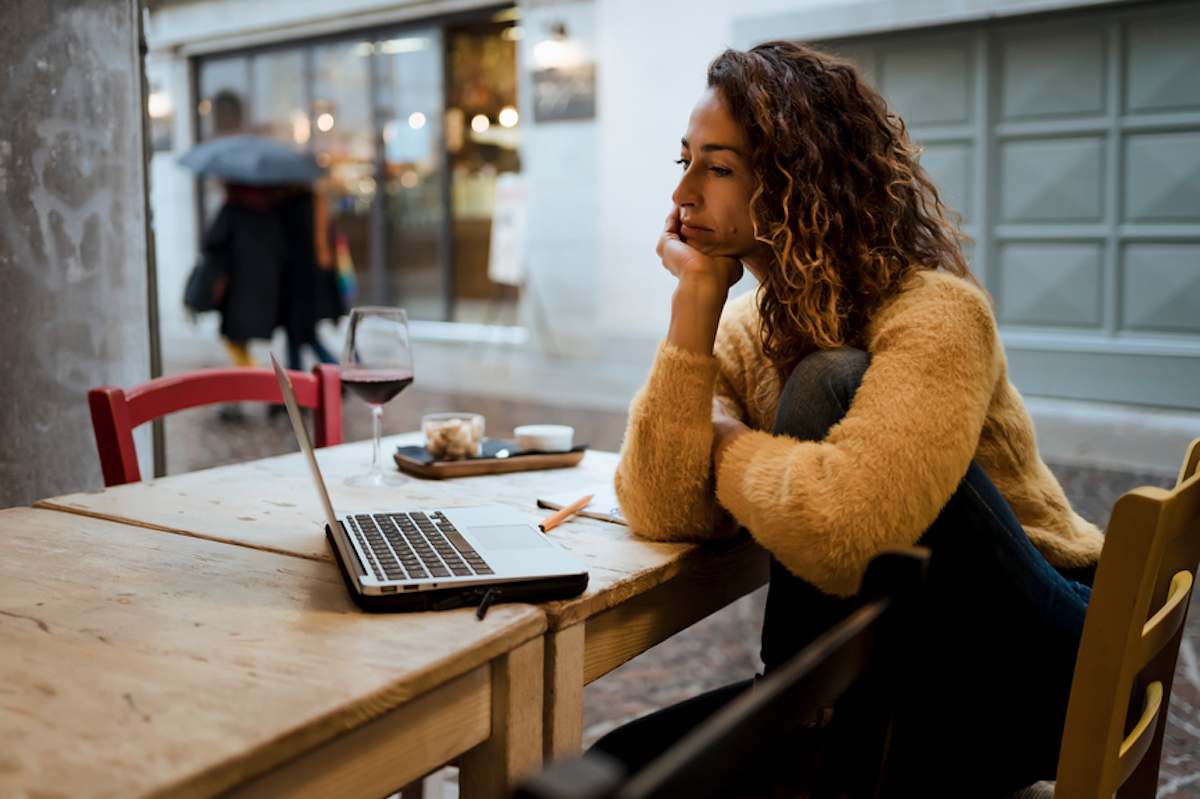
(989, 668)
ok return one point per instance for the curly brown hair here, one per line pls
(841, 200)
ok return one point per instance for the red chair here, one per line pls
(115, 412)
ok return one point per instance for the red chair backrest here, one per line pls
(116, 412)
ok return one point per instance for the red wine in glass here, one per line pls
(376, 386)
(377, 365)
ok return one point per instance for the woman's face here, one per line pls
(713, 195)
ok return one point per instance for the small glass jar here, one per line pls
(453, 435)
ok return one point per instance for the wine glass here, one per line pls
(377, 365)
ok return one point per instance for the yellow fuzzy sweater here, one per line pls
(936, 395)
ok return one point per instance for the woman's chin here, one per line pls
(713, 249)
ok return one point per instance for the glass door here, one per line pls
(482, 139)
(279, 101)
(417, 131)
(408, 110)
(343, 138)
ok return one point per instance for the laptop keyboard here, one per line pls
(415, 546)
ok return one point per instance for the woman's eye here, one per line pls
(721, 171)
(683, 162)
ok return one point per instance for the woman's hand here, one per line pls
(704, 282)
(687, 263)
(726, 430)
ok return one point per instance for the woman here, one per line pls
(858, 400)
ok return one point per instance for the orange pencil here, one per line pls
(557, 518)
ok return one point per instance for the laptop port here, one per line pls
(388, 589)
(410, 588)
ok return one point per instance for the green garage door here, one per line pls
(1070, 144)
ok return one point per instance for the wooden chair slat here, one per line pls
(1162, 626)
(1138, 741)
(1191, 462)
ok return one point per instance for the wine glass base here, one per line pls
(376, 480)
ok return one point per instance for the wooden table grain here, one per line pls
(134, 663)
(271, 504)
(640, 592)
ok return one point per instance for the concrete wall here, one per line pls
(73, 255)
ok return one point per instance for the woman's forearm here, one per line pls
(695, 311)
(664, 480)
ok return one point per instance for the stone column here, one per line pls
(74, 260)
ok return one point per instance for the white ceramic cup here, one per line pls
(544, 437)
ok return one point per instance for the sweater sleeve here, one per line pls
(884, 472)
(664, 480)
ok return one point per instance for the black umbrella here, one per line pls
(252, 161)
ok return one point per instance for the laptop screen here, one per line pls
(289, 398)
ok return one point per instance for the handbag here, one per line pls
(205, 286)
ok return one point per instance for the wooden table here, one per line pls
(271, 504)
(639, 593)
(136, 663)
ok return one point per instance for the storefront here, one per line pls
(415, 124)
(1079, 197)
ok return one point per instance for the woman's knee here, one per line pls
(819, 391)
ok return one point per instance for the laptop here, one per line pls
(434, 559)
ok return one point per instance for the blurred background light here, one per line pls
(159, 105)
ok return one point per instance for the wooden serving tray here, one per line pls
(417, 461)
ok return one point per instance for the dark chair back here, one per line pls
(739, 743)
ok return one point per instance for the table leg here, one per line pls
(514, 749)
(563, 710)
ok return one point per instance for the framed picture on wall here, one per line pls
(566, 92)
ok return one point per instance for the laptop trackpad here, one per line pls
(509, 536)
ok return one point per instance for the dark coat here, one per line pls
(249, 246)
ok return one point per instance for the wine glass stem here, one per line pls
(377, 427)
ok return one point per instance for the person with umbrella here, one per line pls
(263, 245)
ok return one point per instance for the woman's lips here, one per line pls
(691, 231)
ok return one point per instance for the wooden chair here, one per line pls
(712, 761)
(116, 412)
(1130, 642)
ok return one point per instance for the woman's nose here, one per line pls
(684, 194)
